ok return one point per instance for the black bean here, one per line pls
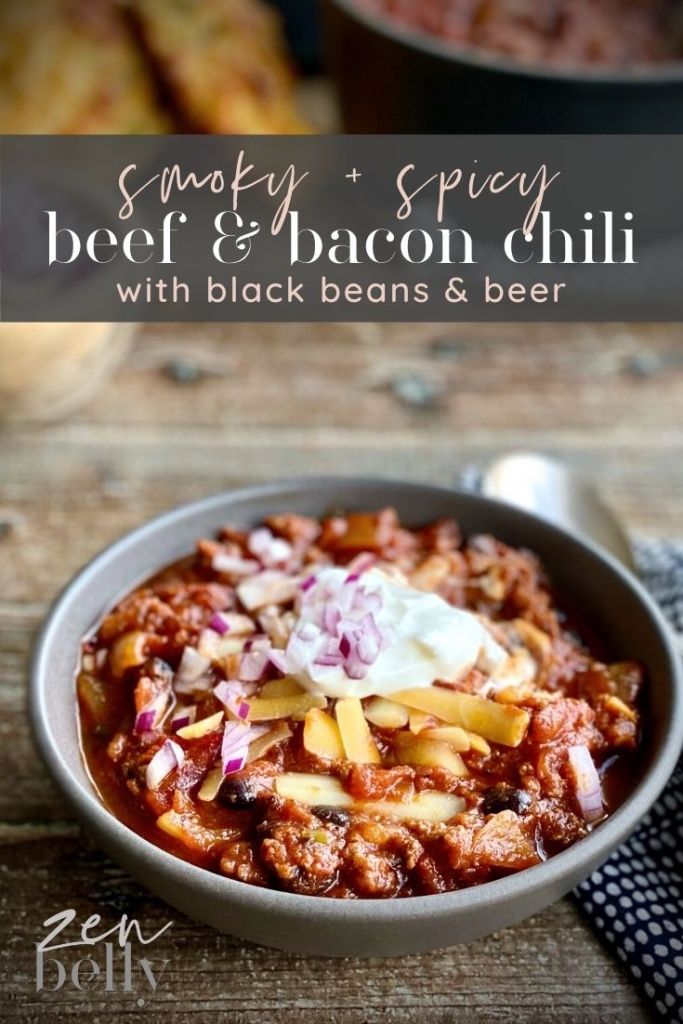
(505, 798)
(238, 794)
(334, 815)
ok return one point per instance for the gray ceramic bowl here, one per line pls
(608, 596)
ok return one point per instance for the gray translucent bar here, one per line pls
(316, 228)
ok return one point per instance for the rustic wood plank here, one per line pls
(613, 374)
(91, 489)
(537, 971)
(335, 376)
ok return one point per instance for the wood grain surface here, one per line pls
(199, 408)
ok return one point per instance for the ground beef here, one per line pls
(378, 858)
(616, 722)
(304, 859)
(301, 531)
(143, 611)
(368, 782)
(429, 878)
(559, 826)
(239, 861)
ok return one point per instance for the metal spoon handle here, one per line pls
(541, 485)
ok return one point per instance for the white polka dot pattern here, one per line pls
(635, 900)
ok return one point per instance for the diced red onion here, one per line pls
(355, 668)
(345, 645)
(586, 783)
(183, 716)
(350, 628)
(235, 746)
(253, 665)
(201, 685)
(231, 622)
(237, 763)
(361, 563)
(298, 654)
(144, 722)
(339, 627)
(307, 584)
(345, 596)
(332, 616)
(259, 540)
(148, 719)
(258, 642)
(231, 693)
(278, 659)
(280, 551)
(235, 735)
(370, 628)
(227, 690)
(207, 644)
(329, 659)
(368, 649)
(192, 666)
(168, 757)
(233, 565)
(309, 631)
(268, 587)
(268, 549)
(218, 623)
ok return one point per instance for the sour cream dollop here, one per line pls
(423, 638)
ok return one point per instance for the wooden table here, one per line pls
(197, 409)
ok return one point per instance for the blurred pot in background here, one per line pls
(47, 370)
(393, 76)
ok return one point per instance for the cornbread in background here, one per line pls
(144, 67)
(68, 67)
(222, 63)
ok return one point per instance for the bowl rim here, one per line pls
(662, 73)
(590, 850)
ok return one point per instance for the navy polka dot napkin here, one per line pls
(635, 900)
